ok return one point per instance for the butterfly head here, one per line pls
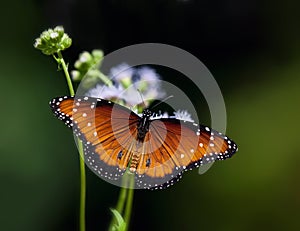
(147, 113)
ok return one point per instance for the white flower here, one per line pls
(105, 92)
(121, 72)
(131, 86)
(149, 84)
(132, 97)
(148, 74)
(145, 78)
(153, 93)
(54, 34)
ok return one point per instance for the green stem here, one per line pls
(65, 68)
(82, 188)
(61, 62)
(105, 79)
(121, 201)
(128, 208)
(125, 200)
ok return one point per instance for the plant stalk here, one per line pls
(61, 62)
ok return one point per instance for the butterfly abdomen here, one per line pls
(135, 159)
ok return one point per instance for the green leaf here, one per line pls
(121, 223)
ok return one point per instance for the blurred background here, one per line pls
(251, 48)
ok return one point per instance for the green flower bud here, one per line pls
(53, 41)
(98, 55)
(89, 82)
(84, 62)
(88, 65)
(126, 82)
(76, 76)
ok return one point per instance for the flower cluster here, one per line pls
(87, 64)
(52, 41)
(133, 87)
(130, 86)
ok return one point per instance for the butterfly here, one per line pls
(157, 150)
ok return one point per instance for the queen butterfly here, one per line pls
(157, 150)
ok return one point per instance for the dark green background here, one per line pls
(251, 48)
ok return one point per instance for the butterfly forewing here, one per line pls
(106, 140)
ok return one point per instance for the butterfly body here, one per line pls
(143, 125)
(157, 150)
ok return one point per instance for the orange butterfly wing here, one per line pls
(106, 129)
(109, 134)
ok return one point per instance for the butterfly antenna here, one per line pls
(164, 100)
(141, 95)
